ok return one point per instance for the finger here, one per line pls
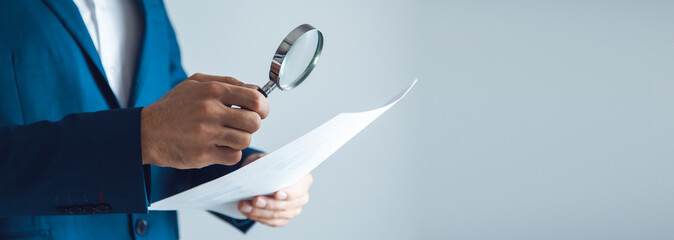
(224, 155)
(273, 222)
(241, 119)
(223, 79)
(297, 190)
(256, 88)
(251, 86)
(245, 207)
(214, 155)
(244, 97)
(258, 213)
(233, 94)
(232, 138)
(280, 205)
(262, 215)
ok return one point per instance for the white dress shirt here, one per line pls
(114, 26)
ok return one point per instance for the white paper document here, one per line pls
(277, 170)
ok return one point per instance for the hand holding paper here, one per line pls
(277, 209)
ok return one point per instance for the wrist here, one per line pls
(147, 150)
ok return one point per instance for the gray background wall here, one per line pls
(531, 120)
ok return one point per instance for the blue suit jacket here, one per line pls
(70, 158)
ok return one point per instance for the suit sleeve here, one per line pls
(86, 163)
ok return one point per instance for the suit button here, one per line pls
(141, 227)
(103, 208)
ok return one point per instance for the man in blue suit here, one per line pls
(84, 148)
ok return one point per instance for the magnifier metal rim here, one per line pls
(282, 50)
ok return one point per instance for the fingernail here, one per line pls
(261, 203)
(281, 196)
(246, 208)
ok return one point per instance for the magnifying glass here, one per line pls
(294, 59)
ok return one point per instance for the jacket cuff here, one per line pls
(106, 159)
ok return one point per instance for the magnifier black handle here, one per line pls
(267, 88)
(259, 89)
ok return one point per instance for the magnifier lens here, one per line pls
(294, 59)
(300, 59)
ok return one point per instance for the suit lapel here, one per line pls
(70, 16)
(144, 65)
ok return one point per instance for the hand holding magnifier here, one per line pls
(294, 59)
